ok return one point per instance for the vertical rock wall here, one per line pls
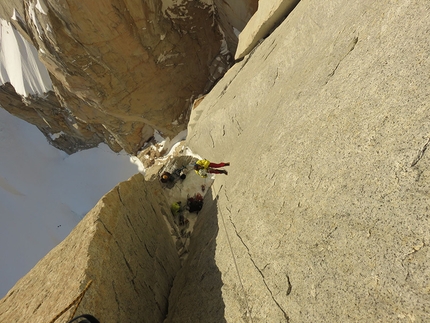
(233, 17)
(122, 68)
(324, 216)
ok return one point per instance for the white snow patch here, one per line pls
(171, 144)
(224, 48)
(14, 15)
(41, 6)
(138, 163)
(193, 183)
(189, 187)
(32, 14)
(56, 135)
(19, 63)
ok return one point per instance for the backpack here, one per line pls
(195, 204)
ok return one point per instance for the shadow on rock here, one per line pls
(196, 293)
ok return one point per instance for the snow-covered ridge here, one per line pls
(20, 64)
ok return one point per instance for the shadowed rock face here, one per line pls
(233, 16)
(200, 281)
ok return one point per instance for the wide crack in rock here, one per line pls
(183, 192)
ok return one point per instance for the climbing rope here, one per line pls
(76, 302)
(234, 259)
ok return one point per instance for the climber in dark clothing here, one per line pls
(170, 179)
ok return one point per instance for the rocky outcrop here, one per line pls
(59, 126)
(233, 16)
(123, 68)
(32, 97)
(324, 214)
(123, 246)
(268, 16)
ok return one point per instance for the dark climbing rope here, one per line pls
(76, 302)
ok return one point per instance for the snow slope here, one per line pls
(44, 193)
(19, 63)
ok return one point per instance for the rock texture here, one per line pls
(233, 16)
(121, 69)
(113, 63)
(59, 126)
(324, 216)
(123, 246)
(268, 16)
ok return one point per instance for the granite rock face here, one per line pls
(324, 216)
(123, 246)
(59, 126)
(233, 16)
(268, 16)
(122, 68)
